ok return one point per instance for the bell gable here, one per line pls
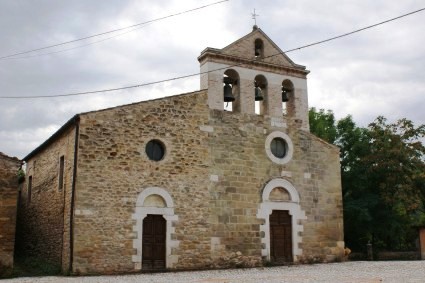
(257, 45)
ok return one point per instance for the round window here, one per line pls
(278, 147)
(155, 150)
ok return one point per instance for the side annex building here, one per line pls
(226, 176)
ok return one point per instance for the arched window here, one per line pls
(231, 90)
(287, 96)
(260, 94)
(258, 48)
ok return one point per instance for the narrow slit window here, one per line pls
(61, 171)
(29, 188)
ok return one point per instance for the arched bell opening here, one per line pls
(258, 48)
(260, 94)
(231, 90)
(288, 106)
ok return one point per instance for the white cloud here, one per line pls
(376, 72)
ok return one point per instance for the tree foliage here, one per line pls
(322, 124)
(383, 178)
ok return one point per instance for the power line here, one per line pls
(76, 47)
(356, 31)
(112, 31)
(235, 65)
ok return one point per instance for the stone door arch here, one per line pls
(289, 201)
(154, 201)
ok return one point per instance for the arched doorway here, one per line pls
(153, 242)
(280, 236)
(154, 215)
(282, 215)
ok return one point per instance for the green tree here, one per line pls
(383, 178)
(322, 124)
(395, 166)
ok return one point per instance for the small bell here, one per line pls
(285, 94)
(257, 52)
(228, 96)
(258, 95)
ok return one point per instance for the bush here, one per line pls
(30, 267)
(311, 259)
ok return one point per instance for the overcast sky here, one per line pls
(376, 72)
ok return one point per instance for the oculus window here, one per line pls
(279, 147)
(155, 150)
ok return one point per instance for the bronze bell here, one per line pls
(228, 96)
(258, 95)
(285, 94)
(257, 52)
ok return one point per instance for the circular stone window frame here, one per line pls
(165, 145)
(289, 150)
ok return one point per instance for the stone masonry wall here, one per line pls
(244, 48)
(242, 168)
(316, 170)
(214, 170)
(8, 200)
(113, 169)
(43, 218)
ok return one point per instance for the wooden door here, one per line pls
(280, 236)
(153, 242)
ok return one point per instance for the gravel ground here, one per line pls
(358, 272)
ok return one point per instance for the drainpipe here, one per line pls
(74, 180)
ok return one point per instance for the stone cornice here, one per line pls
(211, 55)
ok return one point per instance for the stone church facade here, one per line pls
(190, 181)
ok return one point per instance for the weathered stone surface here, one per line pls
(44, 210)
(8, 202)
(215, 187)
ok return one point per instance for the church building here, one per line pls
(227, 176)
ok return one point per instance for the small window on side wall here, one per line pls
(29, 188)
(61, 171)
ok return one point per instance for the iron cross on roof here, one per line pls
(254, 16)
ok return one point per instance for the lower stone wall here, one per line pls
(8, 199)
(43, 212)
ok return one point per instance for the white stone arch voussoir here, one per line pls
(294, 208)
(167, 212)
(154, 191)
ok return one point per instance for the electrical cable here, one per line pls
(112, 31)
(76, 47)
(235, 65)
